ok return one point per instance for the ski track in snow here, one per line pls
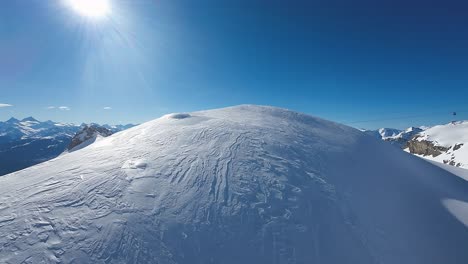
(244, 184)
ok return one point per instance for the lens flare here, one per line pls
(91, 8)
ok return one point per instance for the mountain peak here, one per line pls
(87, 135)
(30, 119)
(12, 120)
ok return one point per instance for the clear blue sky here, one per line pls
(342, 60)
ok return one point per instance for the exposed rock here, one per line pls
(87, 135)
(452, 163)
(441, 143)
(425, 148)
(457, 146)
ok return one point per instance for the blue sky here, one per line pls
(347, 61)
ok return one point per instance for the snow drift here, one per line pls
(244, 184)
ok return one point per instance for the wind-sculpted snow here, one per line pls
(245, 184)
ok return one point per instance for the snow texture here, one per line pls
(245, 184)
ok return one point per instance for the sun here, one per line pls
(91, 8)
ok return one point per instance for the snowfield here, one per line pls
(446, 135)
(454, 137)
(246, 184)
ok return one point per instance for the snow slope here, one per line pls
(447, 135)
(453, 137)
(245, 184)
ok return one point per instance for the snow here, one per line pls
(453, 136)
(391, 134)
(86, 142)
(387, 133)
(178, 116)
(446, 135)
(459, 156)
(31, 128)
(460, 172)
(245, 184)
(458, 208)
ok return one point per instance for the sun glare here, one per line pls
(91, 8)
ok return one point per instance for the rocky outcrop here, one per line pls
(424, 147)
(457, 146)
(452, 162)
(442, 143)
(87, 135)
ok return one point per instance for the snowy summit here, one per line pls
(246, 184)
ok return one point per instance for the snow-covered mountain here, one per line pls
(383, 133)
(88, 135)
(115, 128)
(443, 143)
(245, 184)
(27, 142)
(395, 136)
(30, 128)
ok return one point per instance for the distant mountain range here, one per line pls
(28, 141)
(395, 136)
(442, 143)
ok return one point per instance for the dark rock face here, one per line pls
(452, 162)
(428, 148)
(457, 146)
(417, 140)
(88, 134)
(425, 148)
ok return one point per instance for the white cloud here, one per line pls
(64, 108)
(107, 108)
(5, 105)
(50, 107)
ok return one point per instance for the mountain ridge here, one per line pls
(444, 143)
(244, 184)
(26, 142)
